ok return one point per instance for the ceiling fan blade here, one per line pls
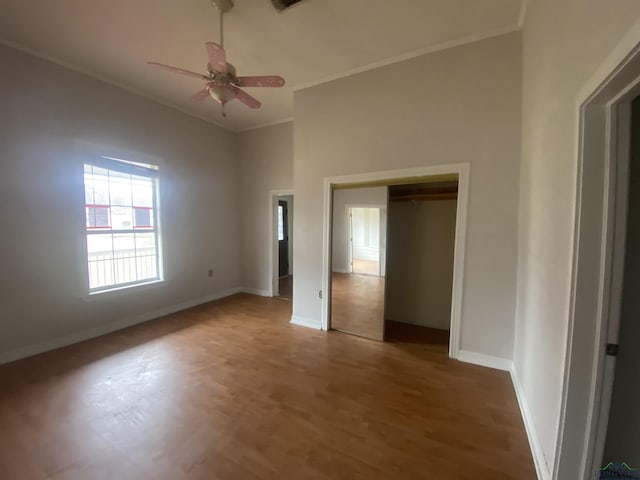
(201, 95)
(261, 81)
(245, 98)
(217, 57)
(179, 70)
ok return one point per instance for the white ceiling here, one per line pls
(314, 41)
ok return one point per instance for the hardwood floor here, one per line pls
(433, 338)
(231, 390)
(366, 267)
(357, 304)
(285, 288)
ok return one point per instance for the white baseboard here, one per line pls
(539, 459)
(341, 270)
(256, 291)
(485, 360)
(305, 322)
(30, 350)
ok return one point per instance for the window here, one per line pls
(121, 207)
(280, 222)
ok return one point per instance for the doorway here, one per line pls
(282, 215)
(371, 315)
(365, 236)
(285, 253)
(622, 447)
(617, 438)
(608, 146)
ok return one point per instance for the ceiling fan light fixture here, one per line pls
(223, 84)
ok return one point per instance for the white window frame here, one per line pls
(135, 168)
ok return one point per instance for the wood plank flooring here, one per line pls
(366, 267)
(231, 390)
(437, 340)
(357, 304)
(285, 288)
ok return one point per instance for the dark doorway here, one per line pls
(283, 239)
(621, 445)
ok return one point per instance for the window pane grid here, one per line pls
(122, 238)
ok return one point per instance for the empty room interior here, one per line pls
(319, 239)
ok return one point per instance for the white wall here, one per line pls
(564, 42)
(458, 105)
(420, 262)
(45, 110)
(342, 198)
(266, 159)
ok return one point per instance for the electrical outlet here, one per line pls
(210, 273)
(319, 293)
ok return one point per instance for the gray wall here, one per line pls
(266, 159)
(458, 105)
(420, 262)
(46, 109)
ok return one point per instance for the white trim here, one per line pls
(463, 170)
(305, 322)
(265, 125)
(619, 57)
(408, 56)
(485, 360)
(76, 337)
(121, 86)
(539, 460)
(523, 13)
(256, 291)
(123, 290)
(273, 238)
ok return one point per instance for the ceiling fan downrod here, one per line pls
(223, 7)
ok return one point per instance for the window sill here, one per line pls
(124, 290)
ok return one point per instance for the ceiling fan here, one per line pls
(222, 82)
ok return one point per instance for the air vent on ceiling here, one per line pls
(282, 5)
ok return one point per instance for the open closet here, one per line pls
(392, 261)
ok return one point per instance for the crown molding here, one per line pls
(265, 124)
(408, 56)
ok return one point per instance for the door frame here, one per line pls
(598, 256)
(389, 177)
(349, 206)
(274, 285)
